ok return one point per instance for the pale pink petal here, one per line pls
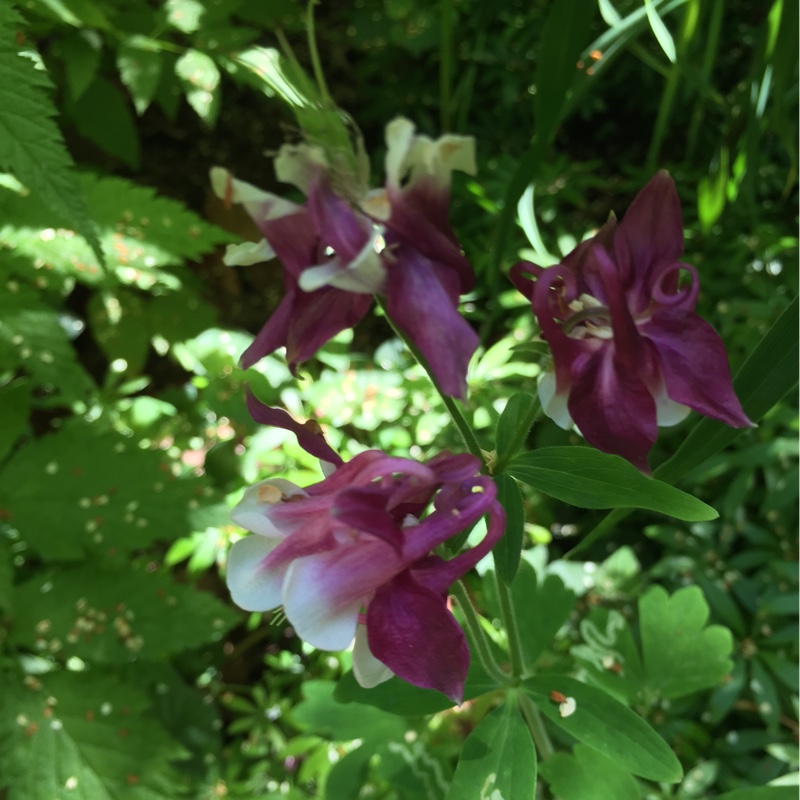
(252, 512)
(254, 587)
(368, 671)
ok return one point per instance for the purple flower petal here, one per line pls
(423, 302)
(364, 508)
(688, 347)
(411, 631)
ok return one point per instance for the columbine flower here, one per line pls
(350, 558)
(347, 243)
(628, 350)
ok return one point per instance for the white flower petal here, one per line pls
(260, 205)
(310, 605)
(554, 405)
(668, 412)
(248, 253)
(253, 587)
(298, 164)
(252, 511)
(399, 137)
(368, 671)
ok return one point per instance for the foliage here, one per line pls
(665, 609)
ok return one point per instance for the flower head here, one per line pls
(346, 243)
(629, 351)
(351, 558)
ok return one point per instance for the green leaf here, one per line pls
(103, 615)
(102, 116)
(321, 714)
(31, 145)
(606, 725)
(660, 30)
(712, 190)
(200, 76)
(108, 495)
(140, 62)
(587, 478)
(498, 758)
(761, 793)
(348, 775)
(588, 774)
(15, 402)
(769, 373)
(507, 550)
(766, 695)
(516, 415)
(185, 15)
(682, 655)
(395, 696)
(81, 53)
(550, 604)
(85, 736)
(118, 324)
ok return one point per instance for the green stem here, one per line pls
(510, 623)
(536, 726)
(599, 531)
(445, 64)
(316, 63)
(467, 434)
(477, 635)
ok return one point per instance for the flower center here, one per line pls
(589, 318)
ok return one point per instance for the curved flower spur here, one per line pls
(346, 243)
(351, 557)
(629, 351)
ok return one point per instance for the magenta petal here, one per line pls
(695, 366)
(614, 409)
(652, 228)
(411, 631)
(420, 301)
(364, 508)
(274, 333)
(337, 224)
(309, 437)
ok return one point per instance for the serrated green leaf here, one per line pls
(102, 116)
(587, 478)
(508, 549)
(105, 615)
(118, 324)
(140, 62)
(108, 495)
(681, 655)
(15, 402)
(320, 713)
(498, 758)
(85, 736)
(588, 774)
(606, 725)
(200, 77)
(31, 145)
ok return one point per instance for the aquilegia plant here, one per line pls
(366, 557)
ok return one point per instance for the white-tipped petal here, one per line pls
(668, 412)
(248, 253)
(298, 164)
(399, 138)
(253, 587)
(554, 405)
(368, 671)
(252, 512)
(311, 605)
(260, 205)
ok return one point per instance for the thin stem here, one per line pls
(316, 63)
(477, 635)
(510, 623)
(445, 64)
(600, 530)
(467, 434)
(536, 726)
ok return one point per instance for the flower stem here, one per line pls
(467, 434)
(477, 635)
(510, 623)
(606, 524)
(316, 63)
(536, 726)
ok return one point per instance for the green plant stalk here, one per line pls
(467, 434)
(533, 718)
(522, 431)
(316, 62)
(512, 629)
(479, 639)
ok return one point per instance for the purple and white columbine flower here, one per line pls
(629, 352)
(351, 559)
(347, 243)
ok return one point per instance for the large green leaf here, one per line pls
(498, 758)
(15, 402)
(514, 424)
(108, 615)
(681, 654)
(606, 725)
(31, 145)
(84, 736)
(761, 793)
(587, 478)
(588, 774)
(84, 491)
